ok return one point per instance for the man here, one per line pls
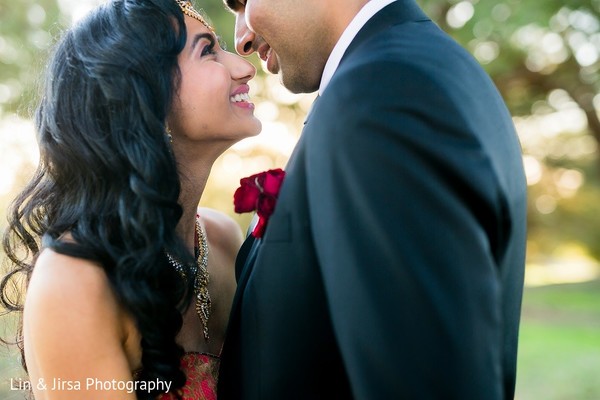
(392, 267)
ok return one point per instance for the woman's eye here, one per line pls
(209, 49)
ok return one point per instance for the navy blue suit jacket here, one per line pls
(393, 265)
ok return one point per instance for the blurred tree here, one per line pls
(26, 33)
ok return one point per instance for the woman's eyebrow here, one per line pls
(199, 36)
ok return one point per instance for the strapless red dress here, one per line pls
(202, 371)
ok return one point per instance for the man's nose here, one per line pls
(244, 37)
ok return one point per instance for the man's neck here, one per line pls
(352, 21)
(343, 12)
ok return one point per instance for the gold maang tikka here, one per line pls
(189, 10)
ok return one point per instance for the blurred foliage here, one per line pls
(559, 343)
(26, 32)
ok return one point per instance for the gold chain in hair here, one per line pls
(189, 10)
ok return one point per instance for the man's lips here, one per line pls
(264, 51)
(269, 57)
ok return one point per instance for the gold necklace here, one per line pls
(201, 278)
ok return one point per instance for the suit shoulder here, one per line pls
(417, 51)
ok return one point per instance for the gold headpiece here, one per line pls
(189, 10)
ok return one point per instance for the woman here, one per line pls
(129, 284)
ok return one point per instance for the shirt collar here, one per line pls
(359, 20)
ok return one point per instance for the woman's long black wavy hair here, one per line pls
(106, 173)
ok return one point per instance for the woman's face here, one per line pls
(212, 103)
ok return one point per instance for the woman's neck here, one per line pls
(193, 180)
(195, 161)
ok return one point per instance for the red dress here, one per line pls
(202, 371)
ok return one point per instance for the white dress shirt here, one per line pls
(359, 20)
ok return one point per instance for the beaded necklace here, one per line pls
(201, 278)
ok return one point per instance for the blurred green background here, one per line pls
(544, 57)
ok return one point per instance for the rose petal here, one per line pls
(259, 193)
(259, 229)
(272, 181)
(257, 180)
(245, 198)
(265, 205)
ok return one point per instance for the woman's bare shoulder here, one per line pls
(72, 276)
(222, 230)
(73, 325)
(59, 277)
(71, 292)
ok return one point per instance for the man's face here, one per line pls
(247, 41)
(287, 36)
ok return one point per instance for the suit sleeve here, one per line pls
(404, 211)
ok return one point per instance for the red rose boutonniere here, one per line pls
(259, 193)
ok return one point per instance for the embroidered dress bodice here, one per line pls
(202, 371)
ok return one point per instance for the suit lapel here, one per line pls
(243, 266)
(243, 256)
(398, 12)
(248, 264)
(312, 107)
(244, 263)
(230, 369)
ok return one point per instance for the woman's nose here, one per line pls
(240, 68)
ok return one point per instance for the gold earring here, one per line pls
(169, 135)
